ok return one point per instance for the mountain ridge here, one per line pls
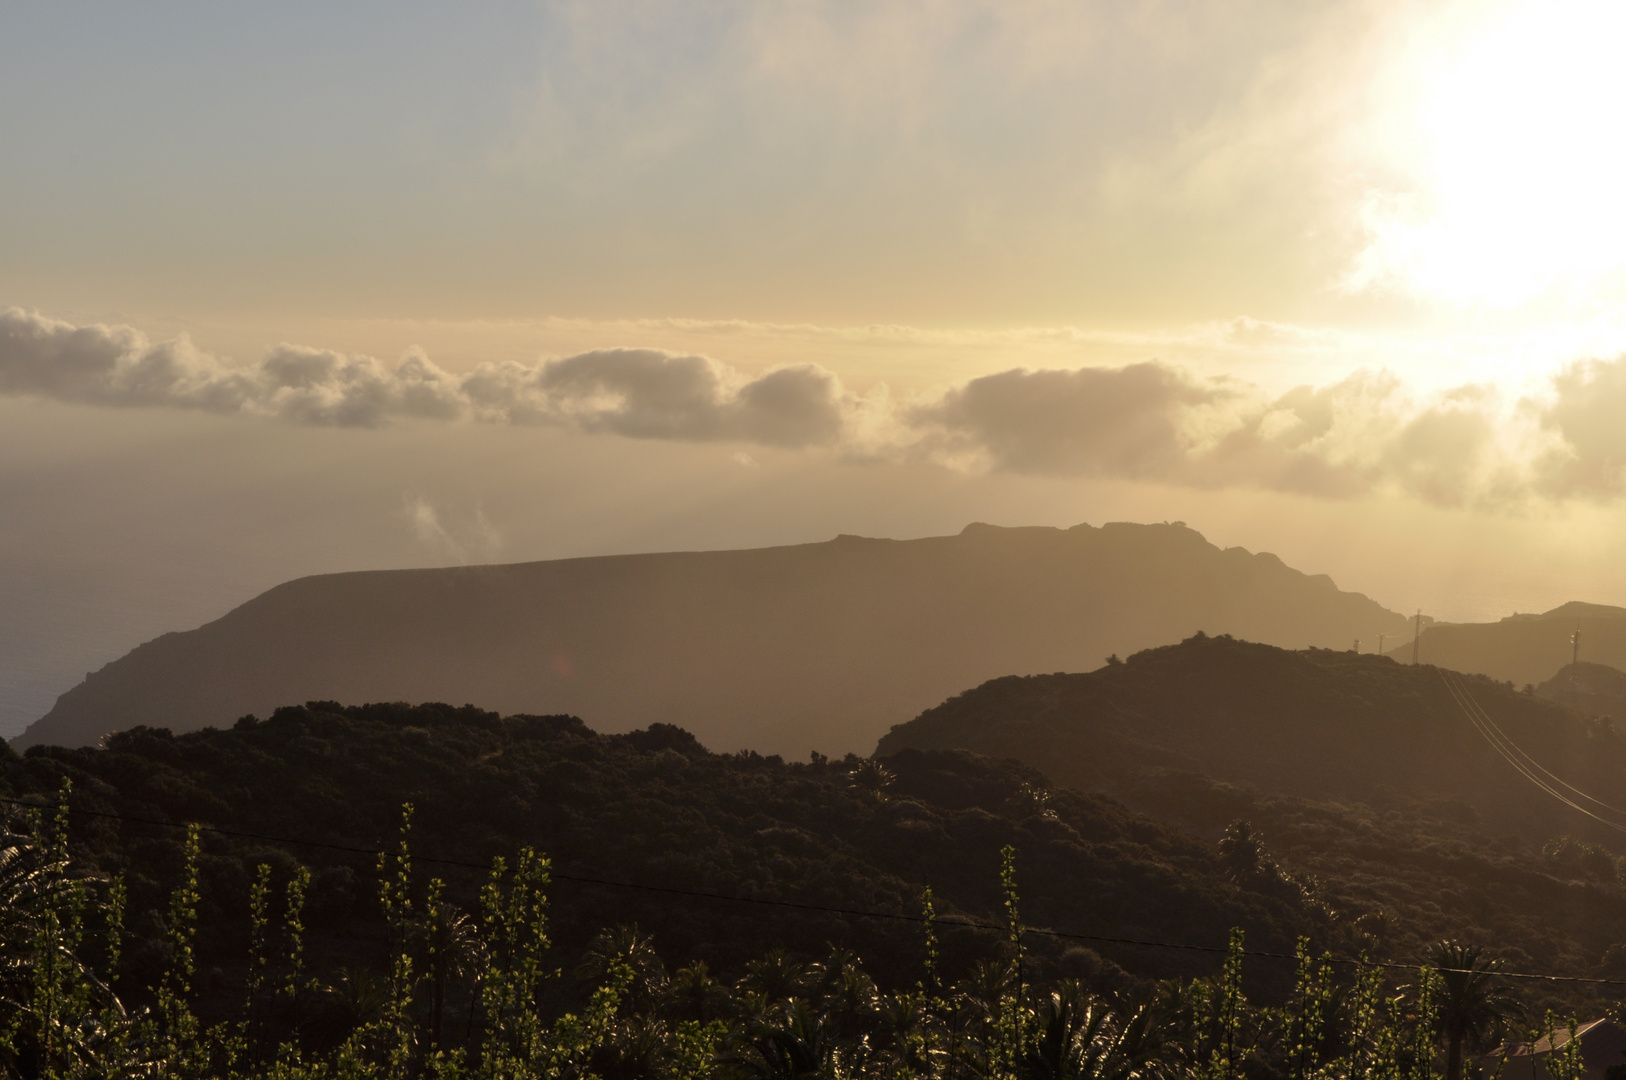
(783, 649)
(1524, 648)
(1318, 724)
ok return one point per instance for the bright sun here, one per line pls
(1511, 133)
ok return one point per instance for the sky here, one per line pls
(299, 288)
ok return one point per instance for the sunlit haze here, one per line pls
(300, 288)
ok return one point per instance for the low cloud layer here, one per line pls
(1149, 422)
(642, 393)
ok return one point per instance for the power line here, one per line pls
(1521, 762)
(1528, 767)
(970, 924)
(1492, 724)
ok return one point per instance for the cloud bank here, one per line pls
(641, 393)
(1147, 422)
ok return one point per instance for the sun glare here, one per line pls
(1509, 132)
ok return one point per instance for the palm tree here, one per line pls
(692, 994)
(1079, 1036)
(626, 944)
(846, 995)
(1243, 851)
(36, 950)
(911, 1039)
(771, 979)
(351, 1001)
(1471, 1005)
(801, 1045)
(33, 883)
(455, 952)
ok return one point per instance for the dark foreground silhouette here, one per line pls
(652, 810)
(1316, 724)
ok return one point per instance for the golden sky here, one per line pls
(302, 288)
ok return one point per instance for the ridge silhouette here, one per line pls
(782, 650)
(1316, 724)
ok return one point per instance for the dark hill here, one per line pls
(1525, 648)
(652, 807)
(649, 807)
(1316, 724)
(789, 649)
(1591, 690)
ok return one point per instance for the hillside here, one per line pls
(789, 649)
(649, 807)
(1591, 690)
(1525, 649)
(653, 808)
(1315, 724)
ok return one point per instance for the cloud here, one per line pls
(1152, 422)
(1584, 412)
(649, 394)
(1143, 422)
(640, 393)
(1093, 421)
(475, 539)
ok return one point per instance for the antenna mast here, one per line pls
(1417, 637)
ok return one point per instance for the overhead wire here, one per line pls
(1514, 756)
(1507, 752)
(1489, 722)
(948, 920)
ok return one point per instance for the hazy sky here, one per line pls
(306, 287)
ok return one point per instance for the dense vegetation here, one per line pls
(1314, 723)
(1362, 773)
(782, 1018)
(1591, 690)
(660, 910)
(651, 807)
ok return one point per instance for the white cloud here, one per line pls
(472, 539)
(1583, 413)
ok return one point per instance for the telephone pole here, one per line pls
(1575, 644)
(1417, 637)
(1380, 643)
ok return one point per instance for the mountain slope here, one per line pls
(653, 808)
(650, 807)
(1314, 724)
(818, 646)
(1525, 648)
(1589, 690)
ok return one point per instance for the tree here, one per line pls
(456, 954)
(1471, 1005)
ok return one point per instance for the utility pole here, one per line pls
(1417, 637)
(1380, 643)
(1575, 644)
